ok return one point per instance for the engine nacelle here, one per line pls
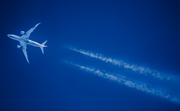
(22, 32)
(18, 46)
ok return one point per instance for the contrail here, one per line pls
(123, 80)
(133, 67)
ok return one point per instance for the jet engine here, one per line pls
(18, 46)
(22, 32)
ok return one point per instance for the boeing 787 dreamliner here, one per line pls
(24, 41)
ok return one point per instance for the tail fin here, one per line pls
(43, 45)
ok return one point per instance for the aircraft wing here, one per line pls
(24, 47)
(28, 33)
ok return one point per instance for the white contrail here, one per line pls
(140, 69)
(123, 80)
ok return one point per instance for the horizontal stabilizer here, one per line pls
(43, 45)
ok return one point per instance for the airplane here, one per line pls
(24, 41)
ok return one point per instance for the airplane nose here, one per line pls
(8, 35)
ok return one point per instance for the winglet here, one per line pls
(37, 24)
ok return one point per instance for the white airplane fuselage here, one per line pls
(24, 41)
(27, 41)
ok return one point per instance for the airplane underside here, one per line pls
(24, 41)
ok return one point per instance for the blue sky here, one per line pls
(139, 33)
